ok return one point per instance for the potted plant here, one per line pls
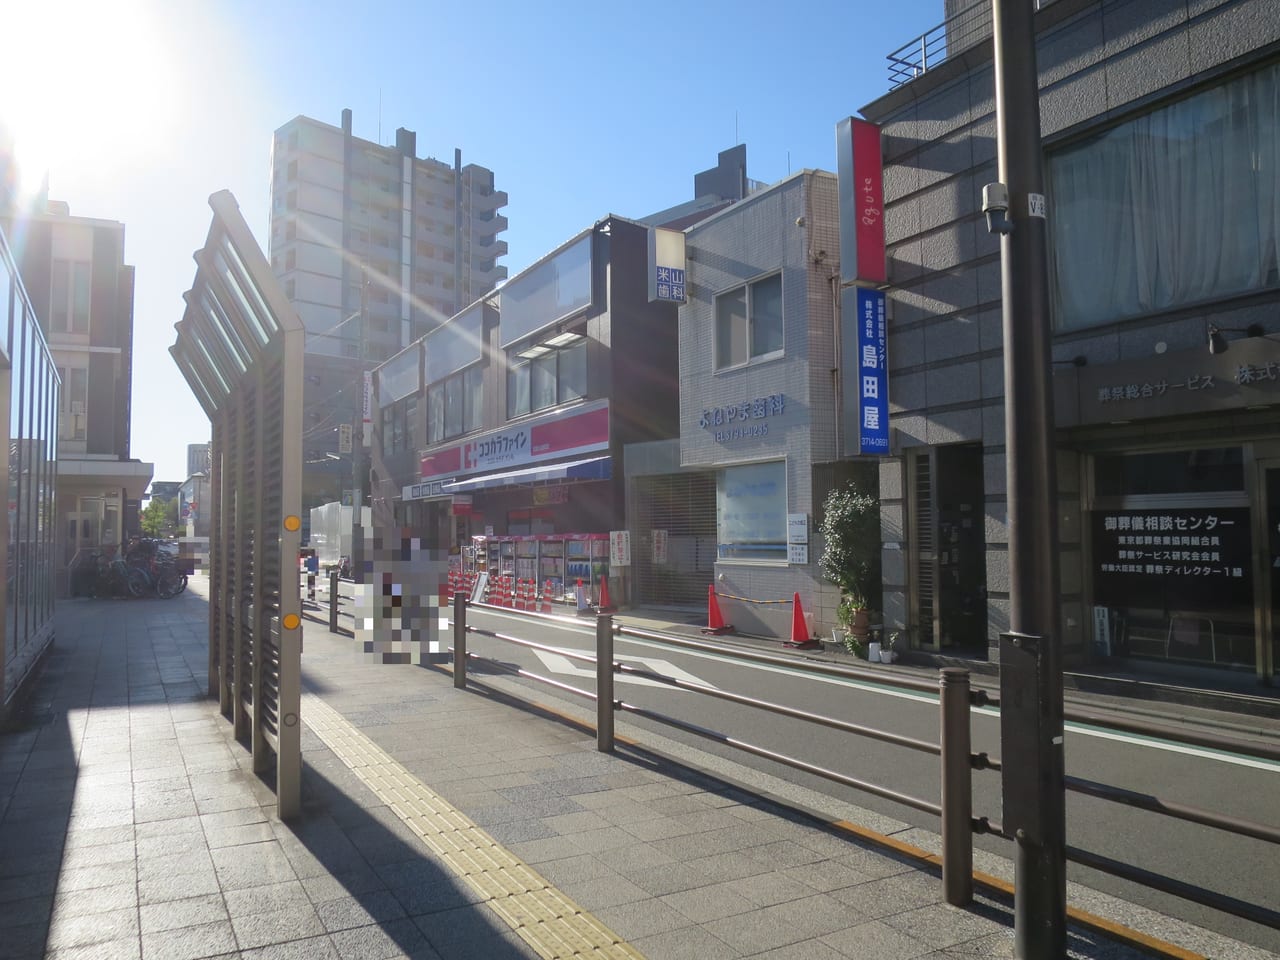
(851, 554)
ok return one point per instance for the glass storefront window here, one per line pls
(1171, 557)
(751, 512)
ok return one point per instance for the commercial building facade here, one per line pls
(758, 400)
(374, 247)
(512, 418)
(1161, 146)
(81, 290)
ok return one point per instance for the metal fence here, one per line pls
(239, 347)
(957, 760)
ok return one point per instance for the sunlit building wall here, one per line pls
(374, 247)
(29, 393)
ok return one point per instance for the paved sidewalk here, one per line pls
(436, 823)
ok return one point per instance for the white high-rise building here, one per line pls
(374, 247)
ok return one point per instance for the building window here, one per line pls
(751, 512)
(69, 306)
(749, 322)
(552, 376)
(397, 425)
(1175, 207)
(73, 403)
(455, 405)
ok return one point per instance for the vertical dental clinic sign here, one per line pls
(666, 266)
(862, 258)
(863, 333)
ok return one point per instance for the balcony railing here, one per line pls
(954, 35)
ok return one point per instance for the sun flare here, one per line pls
(88, 87)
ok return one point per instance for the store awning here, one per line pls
(596, 468)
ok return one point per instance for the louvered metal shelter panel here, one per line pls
(240, 347)
(683, 507)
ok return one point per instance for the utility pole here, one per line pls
(1031, 653)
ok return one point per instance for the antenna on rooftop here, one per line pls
(736, 141)
(379, 116)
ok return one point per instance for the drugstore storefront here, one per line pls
(1180, 461)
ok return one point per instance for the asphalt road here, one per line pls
(1231, 785)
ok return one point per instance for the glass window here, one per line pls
(731, 328)
(573, 372)
(518, 390)
(1175, 207)
(453, 407)
(435, 413)
(1183, 471)
(766, 316)
(473, 388)
(751, 512)
(543, 381)
(749, 322)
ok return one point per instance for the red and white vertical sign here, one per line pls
(862, 253)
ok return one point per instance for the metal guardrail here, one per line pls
(931, 49)
(956, 698)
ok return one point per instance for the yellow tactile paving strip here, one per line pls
(541, 915)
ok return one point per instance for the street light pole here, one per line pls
(1031, 654)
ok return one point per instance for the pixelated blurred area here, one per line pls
(400, 607)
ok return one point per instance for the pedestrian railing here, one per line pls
(957, 759)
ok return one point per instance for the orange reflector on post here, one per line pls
(292, 523)
(291, 621)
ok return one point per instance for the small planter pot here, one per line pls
(886, 655)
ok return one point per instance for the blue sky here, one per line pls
(143, 108)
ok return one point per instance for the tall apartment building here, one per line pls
(81, 292)
(374, 247)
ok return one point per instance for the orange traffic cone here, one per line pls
(546, 597)
(800, 638)
(715, 622)
(605, 605)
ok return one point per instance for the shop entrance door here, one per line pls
(949, 547)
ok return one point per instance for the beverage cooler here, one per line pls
(559, 558)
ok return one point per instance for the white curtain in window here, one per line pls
(1175, 207)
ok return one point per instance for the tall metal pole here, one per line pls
(1040, 821)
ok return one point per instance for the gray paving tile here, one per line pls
(294, 922)
(469, 934)
(177, 887)
(127, 949)
(380, 941)
(83, 930)
(942, 925)
(97, 900)
(102, 875)
(704, 904)
(314, 948)
(644, 918)
(360, 910)
(694, 943)
(175, 914)
(877, 939)
(266, 899)
(251, 865)
(768, 927)
(189, 943)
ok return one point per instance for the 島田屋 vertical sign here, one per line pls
(865, 372)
